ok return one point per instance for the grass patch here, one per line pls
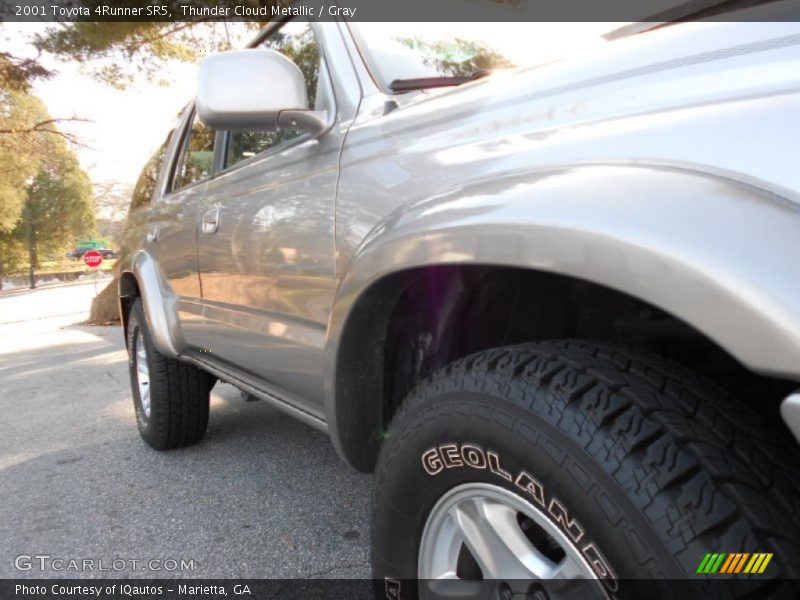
(67, 265)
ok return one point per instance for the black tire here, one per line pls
(179, 392)
(656, 466)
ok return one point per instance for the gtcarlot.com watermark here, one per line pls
(63, 564)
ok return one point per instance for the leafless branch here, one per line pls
(47, 126)
(145, 40)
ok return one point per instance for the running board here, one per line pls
(241, 382)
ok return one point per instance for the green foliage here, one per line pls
(146, 184)
(117, 53)
(457, 57)
(16, 73)
(13, 255)
(57, 205)
(198, 158)
(104, 241)
(59, 208)
(45, 196)
(303, 50)
(22, 146)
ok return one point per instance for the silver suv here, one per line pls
(555, 308)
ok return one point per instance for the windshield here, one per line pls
(397, 52)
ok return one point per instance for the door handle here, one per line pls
(152, 234)
(211, 221)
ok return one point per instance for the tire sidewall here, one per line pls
(179, 393)
(529, 454)
(136, 323)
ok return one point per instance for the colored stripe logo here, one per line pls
(734, 563)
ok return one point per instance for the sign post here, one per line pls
(93, 260)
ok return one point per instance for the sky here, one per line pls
(125, 126)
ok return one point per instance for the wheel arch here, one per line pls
(648, 234)
(143, 280)
(127, 291)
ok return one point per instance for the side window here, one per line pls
(197, 155)
(146, 184)
(295, 40)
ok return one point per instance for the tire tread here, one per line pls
(701, 466)
(185, 389)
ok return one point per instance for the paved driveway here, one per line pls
(262, 496)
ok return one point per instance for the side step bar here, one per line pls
(243, 384)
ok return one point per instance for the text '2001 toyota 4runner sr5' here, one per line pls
(555, 309)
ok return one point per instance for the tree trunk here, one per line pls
(31, 254)
(105, 307)
(35, 252)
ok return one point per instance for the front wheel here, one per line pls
(571, 470)
(170, 397)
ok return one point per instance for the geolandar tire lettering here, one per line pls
(598, 451)
(392, 589)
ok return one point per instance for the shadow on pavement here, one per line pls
(262, 496)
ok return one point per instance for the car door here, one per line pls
(266, 243)
(171, 222)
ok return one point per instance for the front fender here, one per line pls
(719, 254)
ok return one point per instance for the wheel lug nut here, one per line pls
(504, 592)
(537, 592)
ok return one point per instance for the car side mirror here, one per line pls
(254, 90)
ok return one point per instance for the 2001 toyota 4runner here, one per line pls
(556, 309)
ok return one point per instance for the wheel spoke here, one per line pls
(569, 582)
(568, 568)
(458, 589)
(493, 527)
(444, 560)
(142, 373)
(492, 534)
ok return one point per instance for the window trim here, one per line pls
(162, 166)
(365, 57)
(180, 155)
(268, 153)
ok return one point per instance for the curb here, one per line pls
(50, 286)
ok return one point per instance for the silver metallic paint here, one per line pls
(663, 166)
(790, 412)
(268, 273)
(160, 305)
(645, 167)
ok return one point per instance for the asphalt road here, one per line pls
(262, 496)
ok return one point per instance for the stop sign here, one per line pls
(93, 259)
